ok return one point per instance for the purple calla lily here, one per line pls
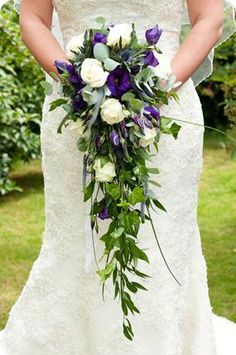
(115, 139)
(123, 129)
(98, 142)
(118, 81)
(135, 69)
(150, 59)
(139, 121)
(104, 213)
(153, 34)
(152, 111)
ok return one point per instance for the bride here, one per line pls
(60, 310)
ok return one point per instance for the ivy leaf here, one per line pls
(117, 232)
(174, 129)
(153, 170)
(139, 253)
(56, 103)
(137, 195)
(106, 272)
(89, 190)
(114, 190)
(159, 205)
(82, 144)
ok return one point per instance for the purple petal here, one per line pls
(99, 38)
(153, 35)
(150, 59)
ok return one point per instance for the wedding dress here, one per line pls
(60, 310)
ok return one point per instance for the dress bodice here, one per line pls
(75, 16)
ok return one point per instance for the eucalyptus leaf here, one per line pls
(47, 87)
(101, 52)
(110, 64)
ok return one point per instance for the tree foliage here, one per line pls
(21, 97)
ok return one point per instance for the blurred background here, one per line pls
(21, 180)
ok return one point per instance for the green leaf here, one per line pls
(137, 195)
(154, 183)
(127, 96)
(101, 52)
(136, 104)
(89, 190)
(114, 190)
(159, 205)
(47, 87)
(101, 20)
(138, 285)
(174, 129)
(56, 103)
(139, 253)
(110, 64)
(106, 272)
(117, 232)
(82, 144)
(153, 170)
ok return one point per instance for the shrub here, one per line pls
(21, 97)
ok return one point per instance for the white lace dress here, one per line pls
(60, 310)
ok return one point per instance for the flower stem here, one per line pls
(158, 243)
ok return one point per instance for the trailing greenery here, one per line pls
(22, 223)
(21, 97)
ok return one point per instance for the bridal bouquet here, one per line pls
(112, 88)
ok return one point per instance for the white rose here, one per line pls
(163, 69)
(123, 30)
(106, 173)
(79, 128)
(92, 73)
(149, 138)
(112, 111)
(74, 44)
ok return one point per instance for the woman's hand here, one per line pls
(35, 24)
(206, 19)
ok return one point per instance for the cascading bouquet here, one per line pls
(112, 89)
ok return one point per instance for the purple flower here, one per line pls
(148, 123)
(123, 129)
(118, 81)
(104, 213)
(150, 59)
(61, 66)
(99, 38)
(98, 142)
(135, 69)
(139, 121)
(152, 111)
(78, 102)
(74, 76)
(153, 35)
(115, 139)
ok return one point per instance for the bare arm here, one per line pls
(206, 19)
(35, 24)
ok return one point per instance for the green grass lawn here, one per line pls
(22, 225)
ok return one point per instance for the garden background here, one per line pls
(21, 181)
